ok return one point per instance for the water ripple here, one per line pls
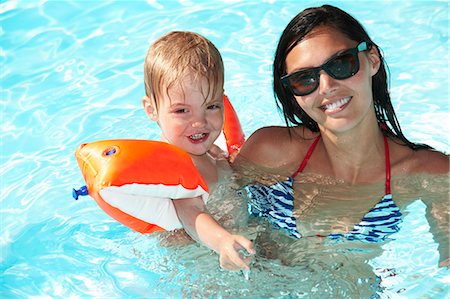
(72, 72)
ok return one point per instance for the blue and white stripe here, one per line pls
(379, 223)
(276, 204)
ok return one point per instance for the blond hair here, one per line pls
(177, 55)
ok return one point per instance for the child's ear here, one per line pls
(149, 108)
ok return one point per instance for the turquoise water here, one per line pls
(71, 72)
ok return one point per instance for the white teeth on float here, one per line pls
(197, 136)
(337, 104)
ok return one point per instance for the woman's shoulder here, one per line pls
(431, 161)
(266, 135)
(277, 146)
(282, 133)
(423, 161)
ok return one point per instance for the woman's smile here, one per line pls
(332, 107)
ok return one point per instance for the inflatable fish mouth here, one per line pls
(87, 163)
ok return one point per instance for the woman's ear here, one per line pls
(150, 108)
(375, 61)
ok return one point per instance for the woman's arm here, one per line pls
(202, 227)
(438, 213)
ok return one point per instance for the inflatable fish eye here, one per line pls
(110, 151)
(135, 181)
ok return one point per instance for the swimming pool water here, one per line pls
(71, 72)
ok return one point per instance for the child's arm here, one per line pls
(204, 228)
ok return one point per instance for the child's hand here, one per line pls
(231, 256)
(217, 153)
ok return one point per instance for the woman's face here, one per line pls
(336, 105)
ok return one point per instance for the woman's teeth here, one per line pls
(336, 104)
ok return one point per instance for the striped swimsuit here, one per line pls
(276, 203)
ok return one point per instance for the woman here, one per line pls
(331, 84)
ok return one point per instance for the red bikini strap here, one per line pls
(388, 166)
(308, 155)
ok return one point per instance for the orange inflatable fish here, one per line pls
(134, 181)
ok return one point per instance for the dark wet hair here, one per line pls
(337, 19)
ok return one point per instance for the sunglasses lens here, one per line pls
(303, 83)
(340, 67)
(343, 66)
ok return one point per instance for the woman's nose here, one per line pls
(327, 84)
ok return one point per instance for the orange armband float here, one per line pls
(134, 181)
(232, 130)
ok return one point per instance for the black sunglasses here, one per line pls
(340, 67)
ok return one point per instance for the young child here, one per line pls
(184, 78)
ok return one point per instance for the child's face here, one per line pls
(187, 119)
